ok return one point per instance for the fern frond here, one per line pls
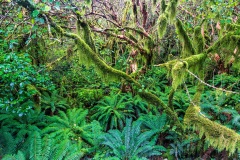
(18, 156)
(36, 146)
(61, 150)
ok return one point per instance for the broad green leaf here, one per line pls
(35, 13)
(46, 8)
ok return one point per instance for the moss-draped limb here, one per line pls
(216, 134)
(130, 41)
(177, 68)
(191, 61)
(109, 72)
(232, 27)
(229, 39)
(187, 45)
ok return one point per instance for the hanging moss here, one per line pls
(218, 136)
(163, 5)
(171, 10)
(198, 40)
(178, 74)
(162, 25)
(125, 12)
(187, 46)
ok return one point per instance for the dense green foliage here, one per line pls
(119, 80)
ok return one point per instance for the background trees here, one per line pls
(59, 58)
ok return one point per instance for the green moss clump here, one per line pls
(178, 74)
(89, 96)
(187, 45)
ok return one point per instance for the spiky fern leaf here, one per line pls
(18, 156)
(131, 143)
(112, 110)
(71, 125)
(236, 121)
(36, 146)
(154, 122)
(8, 144)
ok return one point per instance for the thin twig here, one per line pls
(221, 89)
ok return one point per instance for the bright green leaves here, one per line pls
(17, 74)
(35, 13)
(57, 6)
(46, 8)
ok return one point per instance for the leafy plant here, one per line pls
(19, 81)
(154, 122)
(138, 105)
(131, 143)
(52, 101)
(45, 149)
(112, 111)
(72, 126)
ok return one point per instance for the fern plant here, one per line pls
(131, 143)
(138, 105)
(52, 101)
(24, 125)
(8, 143)
(154, 122)
(219, 107)
(72, 126)
(112, 111)
(47, 149)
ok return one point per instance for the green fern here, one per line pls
(154, 122)
(18, 156)
(137, 104)
(131, 143)
(47, 149)
(112, 110)
(71, 126)
(53, 101)
(8, 144)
